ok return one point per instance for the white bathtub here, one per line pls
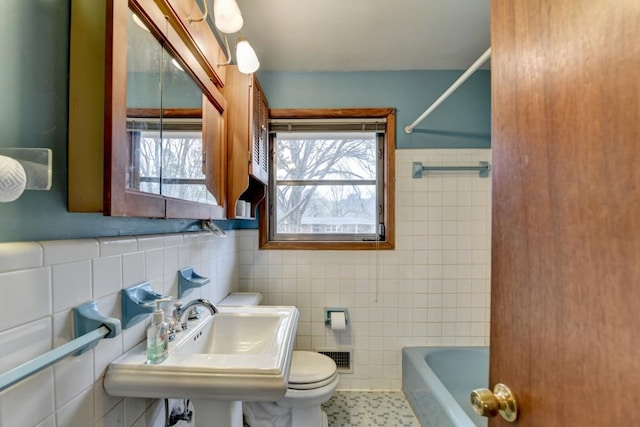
(437, 382)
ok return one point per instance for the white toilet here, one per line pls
(313, 378)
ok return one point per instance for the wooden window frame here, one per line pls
(388, 189)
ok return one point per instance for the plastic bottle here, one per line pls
(158, 336)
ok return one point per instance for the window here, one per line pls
(330, 179)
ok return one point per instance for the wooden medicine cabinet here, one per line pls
(146, 119)
(247, 139)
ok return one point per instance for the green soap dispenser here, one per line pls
(158, 335)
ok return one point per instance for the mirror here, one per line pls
(164, 121)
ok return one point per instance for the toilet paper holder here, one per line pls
(328, 311)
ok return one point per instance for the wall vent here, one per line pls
(342, 357)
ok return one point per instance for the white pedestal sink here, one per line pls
(239, 354)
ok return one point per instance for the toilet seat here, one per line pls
(310, 370)
(312, 386)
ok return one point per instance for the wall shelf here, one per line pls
(188, 280)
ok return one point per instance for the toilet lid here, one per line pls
(308, 367)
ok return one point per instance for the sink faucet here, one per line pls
(180, 310)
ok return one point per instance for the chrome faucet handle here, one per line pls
(194, 314)
(173, 328)
(177, 314)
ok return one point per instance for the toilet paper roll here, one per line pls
(240, 208)
(338, 321)
(13, 179)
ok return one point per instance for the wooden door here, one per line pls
(565, 308)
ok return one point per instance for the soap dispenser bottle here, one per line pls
(158, 335)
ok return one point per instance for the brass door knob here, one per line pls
(501, 401)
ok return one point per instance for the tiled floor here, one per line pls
(375, 408)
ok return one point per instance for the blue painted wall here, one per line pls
(34, 103)
(462, 121)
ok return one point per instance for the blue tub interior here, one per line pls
(437, 382)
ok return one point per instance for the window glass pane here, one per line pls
(326, 156)
(182, 175)
(183, 158)
(171, 165)
(147, 158)
(330, 179)
(326, 209)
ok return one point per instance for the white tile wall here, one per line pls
(433, 289)
(42, 281)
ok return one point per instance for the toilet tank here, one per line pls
(241, 298)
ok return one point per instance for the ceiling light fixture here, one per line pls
(227, 16)
(228, 20)
(245, 56)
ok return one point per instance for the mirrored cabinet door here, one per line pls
(183, 161)
(144, 107)
(164, 121)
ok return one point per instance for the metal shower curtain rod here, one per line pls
(409, 128)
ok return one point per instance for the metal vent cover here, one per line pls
(342, 357)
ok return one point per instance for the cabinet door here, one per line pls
(128, 190)
(259, 166)
(236, 91)
(247, 140)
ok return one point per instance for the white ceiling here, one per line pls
(363, 35)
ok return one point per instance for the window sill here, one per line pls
(350, 246)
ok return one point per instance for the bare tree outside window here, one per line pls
(171, 165)
(331, 180)
(326, 183)
(148, 155)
